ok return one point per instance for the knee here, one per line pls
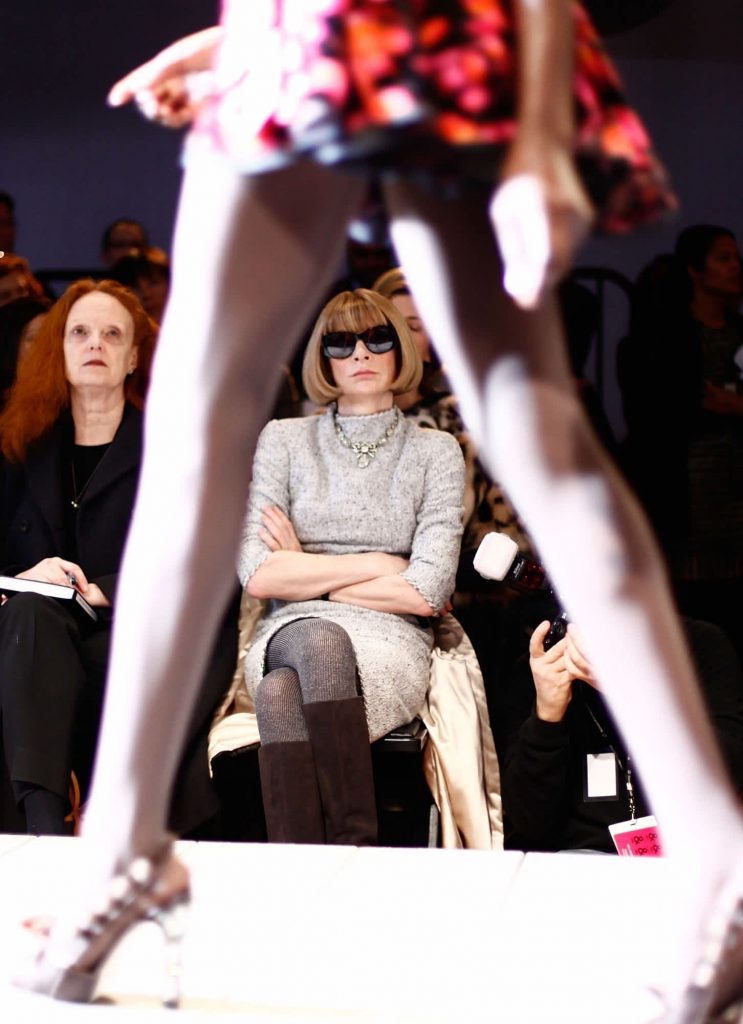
(327, 640)
(276, 691)
(26, 611)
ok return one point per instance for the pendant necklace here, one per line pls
(78, 494)
(365, 451)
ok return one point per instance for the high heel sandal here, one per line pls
(714, 994)
(152, 889)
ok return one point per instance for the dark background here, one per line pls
(74, 165)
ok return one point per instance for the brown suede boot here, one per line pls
(291, 800)
(340, 745)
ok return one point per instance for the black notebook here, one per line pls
(13, 585)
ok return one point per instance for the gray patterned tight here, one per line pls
(308, 660)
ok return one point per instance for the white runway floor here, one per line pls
(289, 934)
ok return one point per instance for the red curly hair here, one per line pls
(41, 392)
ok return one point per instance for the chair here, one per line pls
(406, 810)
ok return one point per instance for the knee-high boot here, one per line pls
(340, 745)
(291, 800)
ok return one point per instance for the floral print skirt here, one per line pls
(421, 87)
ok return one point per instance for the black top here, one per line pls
(37, 520)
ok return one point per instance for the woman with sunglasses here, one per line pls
(500, 114)
(352, 535)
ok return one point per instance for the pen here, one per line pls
(71, 579)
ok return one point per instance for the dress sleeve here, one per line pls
(438, 532)
(270, 486)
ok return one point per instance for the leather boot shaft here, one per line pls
(291, 800)
(340, 744)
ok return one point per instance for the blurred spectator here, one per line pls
(19, 322)
(125, 237)
(148, 276)
(16, 279)
(7, 223)
(581, 311)
(394, 287)
(683, 398)
(559, 724)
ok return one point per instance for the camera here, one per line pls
(498, 558)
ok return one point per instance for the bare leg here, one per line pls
(518, 399)
(252, 258)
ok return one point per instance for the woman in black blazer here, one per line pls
(71, 437)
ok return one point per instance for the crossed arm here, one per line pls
(370, 579)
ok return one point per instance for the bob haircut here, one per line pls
(355, 311)
(41, 392)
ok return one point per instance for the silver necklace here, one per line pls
(365, 451)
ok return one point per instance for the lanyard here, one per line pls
(626, 769)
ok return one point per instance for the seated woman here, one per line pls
(19, 322)
(71, 437)
(352, 535)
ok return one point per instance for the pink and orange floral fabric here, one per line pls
(414, 86)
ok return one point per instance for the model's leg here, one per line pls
(251, 258)
(509, 369)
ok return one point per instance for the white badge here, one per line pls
(601, 776)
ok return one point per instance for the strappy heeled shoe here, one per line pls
(152, 889)
(714, 994)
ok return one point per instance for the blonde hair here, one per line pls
(391, 282)
(355, 311)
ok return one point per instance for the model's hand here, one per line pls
(576, 661)
(541, 214)
(552, 681)
(56, 570)
(277, 531)
(170, 88)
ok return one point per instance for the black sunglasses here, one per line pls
(342, 344)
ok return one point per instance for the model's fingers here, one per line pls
(520, 217)
(570, 228)
(190, 54)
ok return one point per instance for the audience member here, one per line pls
(581, 313)
(16, 279)
(19, 322)
(684, 407)
(558, 724)
(368, 555)
(71, 436)
(124, 237)
(7, 223)
(148, 276)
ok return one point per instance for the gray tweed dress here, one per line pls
(407, 501)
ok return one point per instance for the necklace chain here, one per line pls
(365, 451)
(77, 495)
